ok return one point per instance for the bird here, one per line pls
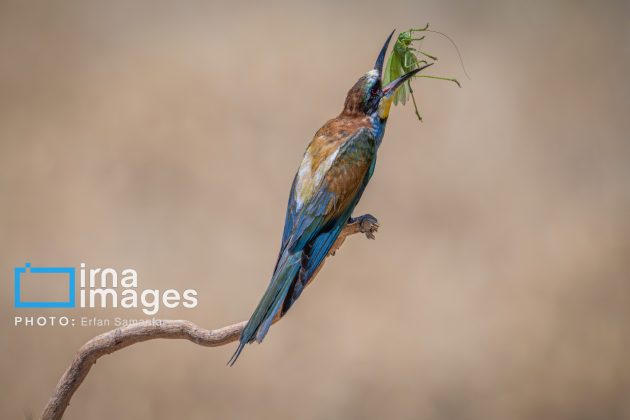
(335, 169)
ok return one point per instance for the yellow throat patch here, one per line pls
(383, 107)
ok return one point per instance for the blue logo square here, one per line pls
(19, 303)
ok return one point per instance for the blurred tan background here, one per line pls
(164, 136)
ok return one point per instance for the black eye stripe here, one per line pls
(374, 90)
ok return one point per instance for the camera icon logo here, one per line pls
(61, 275)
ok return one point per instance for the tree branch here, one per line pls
(122, 337)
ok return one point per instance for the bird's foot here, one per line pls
(366, 224)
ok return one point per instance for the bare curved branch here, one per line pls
(122, 337)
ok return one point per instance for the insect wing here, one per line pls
(402, 93)
(395, 71)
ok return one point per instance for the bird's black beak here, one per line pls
(390, 89)
(378, 66)
(387, 94)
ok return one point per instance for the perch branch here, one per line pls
(122, 337)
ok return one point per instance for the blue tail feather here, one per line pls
(262, 318)
(317, 252)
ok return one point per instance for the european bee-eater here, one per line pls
(335, 169)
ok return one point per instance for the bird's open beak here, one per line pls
(389, 91)
(378, 66)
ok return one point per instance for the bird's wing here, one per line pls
(317, 212)
(326, 192)
(288, 221)
(320, 223)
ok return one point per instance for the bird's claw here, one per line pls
(368, 225)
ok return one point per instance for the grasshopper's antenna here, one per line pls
(461, 60)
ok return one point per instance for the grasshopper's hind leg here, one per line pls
(413, 99)
(426, 76)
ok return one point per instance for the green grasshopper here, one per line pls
(404, 58)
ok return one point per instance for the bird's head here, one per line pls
(368, 96)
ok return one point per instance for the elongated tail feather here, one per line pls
(260, 321)
(262, 330)
(237, 353)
